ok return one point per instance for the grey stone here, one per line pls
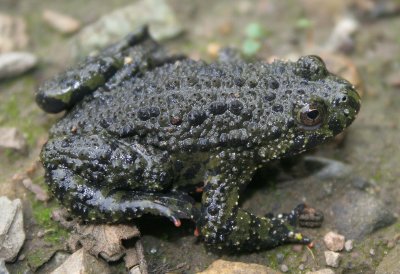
(3, 268)
(12, 235)
(390, 263)
(15, 63)
(357, 214)
(111, 27)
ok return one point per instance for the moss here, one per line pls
(55, 234)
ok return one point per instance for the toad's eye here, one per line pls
(311, 115)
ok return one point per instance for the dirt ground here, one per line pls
(261, 29)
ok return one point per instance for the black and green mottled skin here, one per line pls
(149, 129)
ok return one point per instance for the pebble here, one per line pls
(82, 262)
(341, 39)
(334, 241)
(348, 245)
(280, 257)
(13, 34)
(372, 252)
(12, 234)
(16, 63)
(213, 49)
(135, 270)
(332, 258)
(60, 22)
(12, 138)
(153, 250)
(284, 268)
(302, 267)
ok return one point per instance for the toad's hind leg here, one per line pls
(224, 225)
(105, 180)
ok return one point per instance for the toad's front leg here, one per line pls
(226, 226)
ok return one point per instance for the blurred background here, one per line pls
(358, 39)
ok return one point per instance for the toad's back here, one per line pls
(193, 105)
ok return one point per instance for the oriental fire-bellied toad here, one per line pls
(141, 126)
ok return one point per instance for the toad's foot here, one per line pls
(224, 225)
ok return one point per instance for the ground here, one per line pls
(260, 28)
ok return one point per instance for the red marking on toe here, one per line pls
(196, 232)
(177, 222)
(199, 189)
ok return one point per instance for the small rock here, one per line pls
(12, 138)
(280, 257)
(157, 14)
(302, 267)
(213, 49)
(3, 268)
(372, 252)
(322, 271)
(12, 235)
(332, 258)
(284, 268)
(341, 39)
(390, 263)
(61, 22)
(12, 33)
(334, 241)
(16, 63)
(82, 262)
(227, 267)
(348, 245)
(135, 270)
(40, 193)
